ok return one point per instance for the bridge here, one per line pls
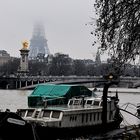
(28, 82)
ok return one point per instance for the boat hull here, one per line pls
(13, 127)
(75, 132)
(33, 131)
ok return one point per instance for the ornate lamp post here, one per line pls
(23, 69)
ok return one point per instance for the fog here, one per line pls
(65, 24)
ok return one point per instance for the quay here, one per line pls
(120, 90)
(131, 132)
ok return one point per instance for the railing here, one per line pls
(24, 81)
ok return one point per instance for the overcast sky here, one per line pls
(64, 20)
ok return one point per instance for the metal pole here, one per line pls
(104, 111)
(104, 97)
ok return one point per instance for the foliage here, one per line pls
(10, 67)
(63, 65)
(79, 68)
(60, 65)
(118, 29)
(37, 68)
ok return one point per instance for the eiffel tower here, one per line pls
(38, 43)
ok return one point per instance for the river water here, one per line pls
(14, 99)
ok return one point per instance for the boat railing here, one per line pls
(40, 113)
(131, 108)
(85, 102)
(25, 112)
(75, 102)
(51, 114)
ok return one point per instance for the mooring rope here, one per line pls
(130, 113)
(34, 132)
(2, 120)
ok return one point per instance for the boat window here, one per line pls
(71, 102)
(90, 116)
(110, 115)
(96, 102)
(60, 124)
(82, 118)
(36, 114)
(76, 102)
(89, 102)
(22, 113)
(73, 118)
(101, 104)
(55, 114)
(94, 115)
(86, 117)
(46, 113)
(29, 113)
(98, 116)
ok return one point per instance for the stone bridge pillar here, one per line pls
(23, 69)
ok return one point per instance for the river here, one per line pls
(14, 99)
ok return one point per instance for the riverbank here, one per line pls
(119, 90)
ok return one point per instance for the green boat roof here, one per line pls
(58, 90)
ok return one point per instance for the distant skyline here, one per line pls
(64, 20)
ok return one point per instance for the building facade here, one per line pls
(4, 57)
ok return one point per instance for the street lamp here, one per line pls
(111, 79)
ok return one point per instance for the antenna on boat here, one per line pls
(44, 102)
(83, 98)
(117, 99)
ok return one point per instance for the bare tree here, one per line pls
(118, 29)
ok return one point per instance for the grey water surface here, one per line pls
(129, 98)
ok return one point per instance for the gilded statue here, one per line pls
(25, 44)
